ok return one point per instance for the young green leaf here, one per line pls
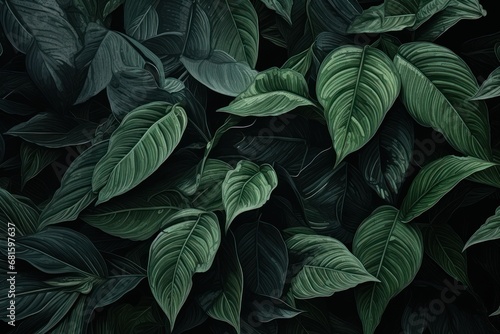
(129, 159)
(390, 251)
(490, 88)
(490, 230)
(247, 187)
(329, 267)
(186, 247)
(356, 86)
(435, 180)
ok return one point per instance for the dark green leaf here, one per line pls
(34, 159)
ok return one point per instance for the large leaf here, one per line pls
(333, 16)
(247, 187)
(129, 159)
(435, 180)
(274, 92)
(53, 131)
(141, 19)
(447, 82)
(58, 250)
(385, 159)
(186, 247)
(376, 20)
(356, 86)
(444, 246)
(390, 251)
(328, 267)
(134, 218)
(282, 7)
(264, 258)
(490, 230)
(75, 192)
(19, 212)
(490, 88)
(221, 73)
(34, 159)
(423, 9)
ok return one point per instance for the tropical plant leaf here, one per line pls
(329, 267)
(266, 309)
(333, 16)
(390, 251)
(354, 109)
(387, 43)
(376, 20)
(34, 159)
(208, 195)
(23, 214)
(247, 187)
(156, 124)
(264, 258)
(75, 192)
(186, 247)
(490, 230)
(423, 9)
(463, 123)
(435, 180)
(282, 7)
(301, 62)
(141, 19)
(490, 88)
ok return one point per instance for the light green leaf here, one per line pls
(226, 305)
(34, 159)
(490, 176)
(264, 258)
(375, 20)
(435, 180)
(141, 19)
(186, 247)
(490, 230)
(444, 246)
(75, 192)
(282, 7)
(329, 267)
(247, 187)
(490, 88)
(129, 159)
(447, 82)
(274, 92)
(23, 214)
(356, 86)
(392, 252)
(221, 73)
(423, 9)
(134, 218)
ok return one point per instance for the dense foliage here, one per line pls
(250, 166)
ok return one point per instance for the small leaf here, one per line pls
(34, 159)
(301, 62)
(490, 88)
(247, 187)
(282, 7)
(266, 309)
(435, 180)
(23, 214)
(490, 230)
(186, 247)
(329, 267)
(141, 19)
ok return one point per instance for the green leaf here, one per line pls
(497, 312)
(208, 195)
(58, 250)
(34, 159)
(387, 43)
(264, 258)
(75, 192)
(53, 131)
(490, 88)
(265, 309)
(226, 305)
(186, 247)
(282, 7)
(423, 9)
(141, 19)
(490, 176)
(444, 246)
(247, 187)
(356, 86)
(329, 267)
(463, 123)
(129, 159)
(386, 158)
(490, 230)
(435, 180)
(301, 62)
(333, 16)
(23, 214)
(134, 218)
(390, 251)
(221, 73)
(375, 20)
(274, 92)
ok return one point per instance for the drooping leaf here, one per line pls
(129, 159)
(463, 123)
(265, 309)
(376, 20)
(23, 214)
(282, 7)
(186, 247)
(490, 230)
(329, 267)
(34, 159)
(490, 88)
(444, 246)
(247, 187)
(386, 158)
(274, 92)
(356, 86)
(75, 192)
(390, 251)
(53, 131)
(264, 258)
(435, 180)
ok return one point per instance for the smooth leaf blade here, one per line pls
(490, 88)
(490, 230)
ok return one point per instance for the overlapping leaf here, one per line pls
(490, 230)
